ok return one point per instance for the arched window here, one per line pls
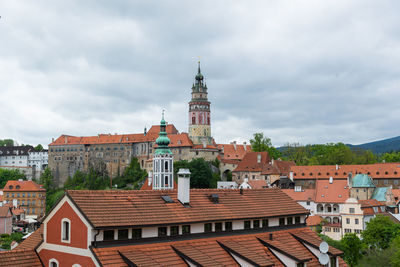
(166, 166)
(65, 230)
(53, 263)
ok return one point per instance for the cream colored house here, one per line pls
(352, 217)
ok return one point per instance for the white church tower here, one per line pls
(163, 167)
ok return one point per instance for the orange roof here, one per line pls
(278, 167)
(18, 211)
(336, 192)
(304, 195)
(179, 140)
(231, 153)
(370, 203)
(313, 220)
(33, 240)
(5, 212)
(250, 162)
(151, 136)
(218, 251)
(206, 147)
(18, 186)
(377, 170)
(20, 258)
(131, 207)
(257, 184)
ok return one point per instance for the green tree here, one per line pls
(380, 232)
(201, 173)
(39, 147)
(47, 179)
(132, 177)
(6, 175)
(260, 143)
(352, 246)
(7, 142)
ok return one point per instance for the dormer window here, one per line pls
(17, 187)
(10, 187)
(65, 230)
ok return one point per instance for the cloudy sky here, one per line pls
(298, 71)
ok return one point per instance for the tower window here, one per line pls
(66, 229)
(166, 166)
(193, 120)
(166, 180)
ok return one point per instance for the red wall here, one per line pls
(64, 259)
(78, 228)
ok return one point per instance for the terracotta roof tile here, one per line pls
(257, 184)
(132, 207)
(17, 186)
(314, 240)
(250, 162)
(215, 251)
(20, 258)
(5, 211)
(230, 153)
(33, 240)
(336, 192)
(313, 220)
(376, 171)
(304, 195)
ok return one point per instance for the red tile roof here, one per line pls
(19, 186)
(370, 203)
(20, 258)
(304, 195)
(33, 240)
(5, 211)
(376, 171)
(132, 207)
(278, 167)
(337, 192)
(249, 162)
(217, 251)
(151, 135)
(230, 153)
(313, 220)
(257, 184)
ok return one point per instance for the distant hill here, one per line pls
(381, 146)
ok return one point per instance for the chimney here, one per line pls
(184, 186)
(52, 140)
(245, 146)
(66, 139)
(150, 180)
(145, 131)
(291, 175)
(271, 236)
(234, 145)
(272, 161)
(258, 158)
(349, 179)
(241, 190)
(331, 180)
(337, 167)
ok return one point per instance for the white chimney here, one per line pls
(245, 146)
(337, 167)
(331, 180)
(259, 158)
(272, 161)
(234, 145)
(291, 175)
(184, 186)
(150, 180)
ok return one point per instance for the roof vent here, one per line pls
(271, 236)
(214, 198)
(167, 199)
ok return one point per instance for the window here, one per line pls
(289, 220)
(264, 223)
(185, 229)
(281, 221)
(333, 261)
(348, 220)
(207, 227)
(228, 226)
(300, 264)
(327, 229)
(351, 210)
(162, 231)
(356, 221)
(347, 230)
(136, 233)
(53, 263)
(122, 234)
(218, 227)
(357, 231)
(66, 230)
(336, 230)
(297, 220)
(256, 224)
(174, 230)
(108, 235)
(246, 224)
(308, 203)
(385, 181)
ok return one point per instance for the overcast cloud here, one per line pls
(299, 71)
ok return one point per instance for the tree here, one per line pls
(260, 143)
(7, 142)
(201, 173)
(132, 177)
(47, 179)
(351, 245)
(6, 175)
(380, 232)
(39, 147)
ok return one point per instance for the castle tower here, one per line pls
(163, 167)
(199, 113)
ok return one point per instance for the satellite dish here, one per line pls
(323, 247)
(323, 258)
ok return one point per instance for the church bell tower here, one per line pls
(199, 112)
